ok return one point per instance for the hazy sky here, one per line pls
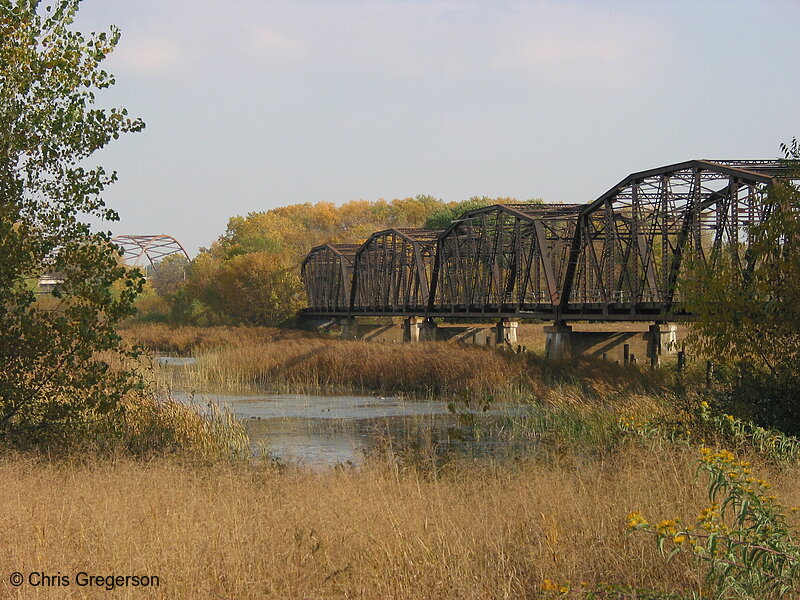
(253, 104)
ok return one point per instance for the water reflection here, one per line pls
(175, 361)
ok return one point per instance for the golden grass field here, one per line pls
(404, 526)
(185, 340)
(274, 360)
(239, 531)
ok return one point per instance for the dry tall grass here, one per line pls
(185, 340)
(298, 361)
(241, 532)
(315, 364)
(311, 365)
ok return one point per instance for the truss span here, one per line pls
(327, 272)
(148, 250)
(393, 271)
(619, 257)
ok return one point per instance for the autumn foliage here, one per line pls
(251, 274)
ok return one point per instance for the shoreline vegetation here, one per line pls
(289, 361)
(211, 521)
(465, 531)
(229, 531)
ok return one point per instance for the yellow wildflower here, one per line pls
(635, 519)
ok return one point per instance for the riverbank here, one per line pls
(467, 531)
(274, 360)
(583, 447)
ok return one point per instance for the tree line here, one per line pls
(250, 275)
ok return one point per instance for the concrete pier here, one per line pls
(349, 331)
(506, 332)
(654, 344)
(649, 344)
(412, 329)
(558, 344)
(428, 331)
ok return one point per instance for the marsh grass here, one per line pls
(567, 406)
(307, 365)
(143, 426)
(469, 530)
(411, 523)
(187, 340)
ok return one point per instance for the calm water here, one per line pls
(331, 430)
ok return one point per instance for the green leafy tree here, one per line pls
(441, 218)
(748, 307)
(51, 375)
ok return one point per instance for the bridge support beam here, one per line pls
(654, 344)
(428, 331)
(558, 345)
(412, 328)
(661, 338)
(506, 332)
(349, 331)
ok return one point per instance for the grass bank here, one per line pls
(237, 531)
(291, 361)
(187, 340)
(608, 441)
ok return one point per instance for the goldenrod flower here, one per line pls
(635, 519)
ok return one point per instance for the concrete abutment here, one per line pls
(563, 342)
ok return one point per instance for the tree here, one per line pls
(259, 289)
(442, 218)
(170, 275)
(748, 308)
(51, 375)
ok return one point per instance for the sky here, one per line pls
(254, 104)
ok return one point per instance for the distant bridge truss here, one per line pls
(148, 250)
(619, 257)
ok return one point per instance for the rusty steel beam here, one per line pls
(152, 249)
(618, 257)
(393, 271)
(327, 276)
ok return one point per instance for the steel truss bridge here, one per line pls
(619, 257)
(148, 250)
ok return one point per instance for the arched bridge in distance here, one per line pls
(145, 251)
(148, 250)
(617, 258)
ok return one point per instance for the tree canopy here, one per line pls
(50, 126)
(748, 307)
(442, 217)
(251, 273)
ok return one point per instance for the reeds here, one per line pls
(314, 365)
(185, 340)
(143, 426)
(228, 531)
